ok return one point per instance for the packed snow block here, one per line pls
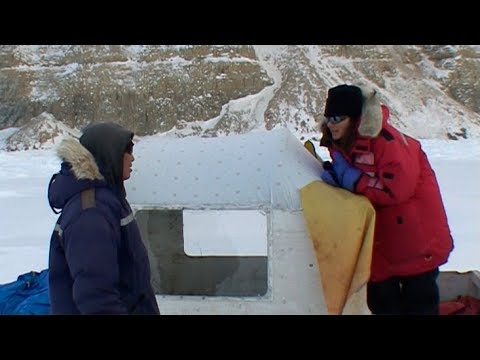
(223, 221)
(459, 292)
(341, 227)
(454, 284)
(28, 295)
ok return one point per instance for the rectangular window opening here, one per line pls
(206, 252)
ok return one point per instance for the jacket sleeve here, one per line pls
(91, 249)
(394, 176)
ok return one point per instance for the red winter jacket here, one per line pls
(412, 235)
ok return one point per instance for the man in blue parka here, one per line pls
(98, 263)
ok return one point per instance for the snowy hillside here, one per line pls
(218, 90)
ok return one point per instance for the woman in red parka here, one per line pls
(412, 237)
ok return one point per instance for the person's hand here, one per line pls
(328, 174)
(347, 174)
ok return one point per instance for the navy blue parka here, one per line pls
(98, 263)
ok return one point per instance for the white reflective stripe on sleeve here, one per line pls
(127, 220)
(58, 229)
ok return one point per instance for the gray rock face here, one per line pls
(432, 91)
(149, 88)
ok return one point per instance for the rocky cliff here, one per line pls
(216, 90)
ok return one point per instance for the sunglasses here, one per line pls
(129, 148)
(335, 119)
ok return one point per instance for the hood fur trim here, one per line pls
(82, 161)
(372, 115)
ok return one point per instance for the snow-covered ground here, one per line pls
(27, 221)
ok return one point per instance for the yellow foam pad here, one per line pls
(341, 226)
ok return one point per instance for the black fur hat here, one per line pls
(344, 100)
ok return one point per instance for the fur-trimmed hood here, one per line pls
(94, 160)
(372, 114)
(82, 163)
(78, 172)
